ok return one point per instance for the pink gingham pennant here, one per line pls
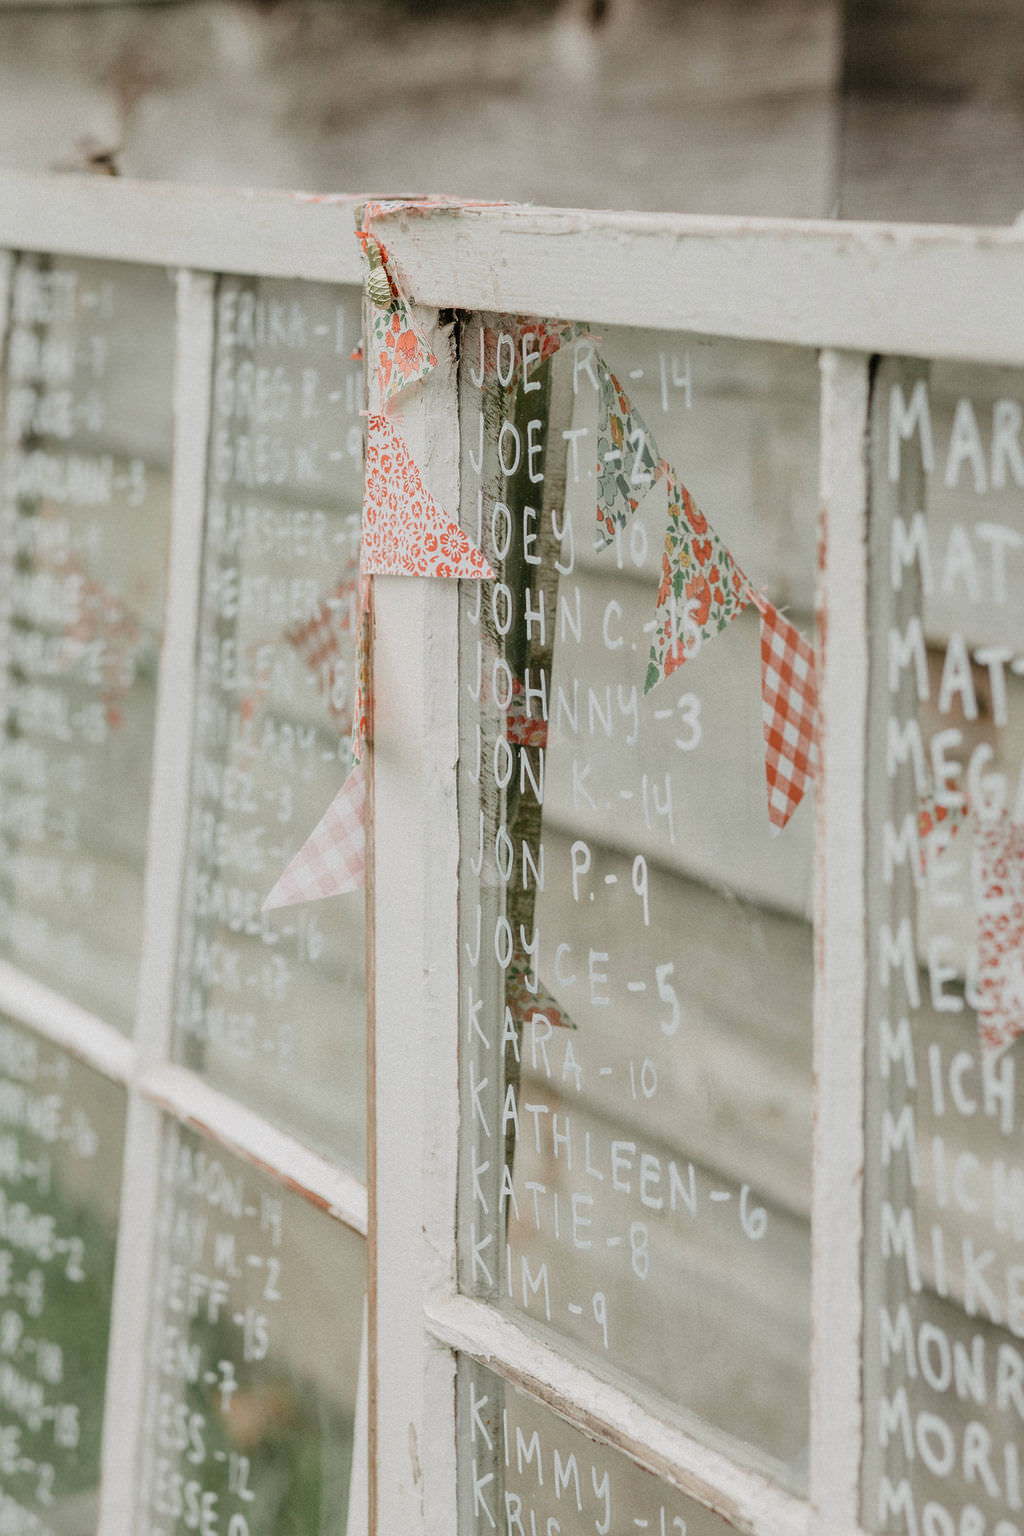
(404, 533)
(789, 711)
(332, 860)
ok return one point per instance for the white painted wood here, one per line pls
(8, 505)
(919, 289)
(129, 1320)
(65, 1024)
(216, 229)
(927, 290)
(179, 1092)
(747, 1499)
(166, 841)
(841, 951)
(6, 277)
(357, 1520)
(414, 1055)
(172, 747)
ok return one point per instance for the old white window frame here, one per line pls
(847, 290)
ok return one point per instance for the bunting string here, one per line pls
(702, 590)
(406, 532)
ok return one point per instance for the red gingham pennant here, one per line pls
(332, 860)
(789, 712)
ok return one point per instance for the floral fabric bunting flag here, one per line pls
(405, 532)
(999, 847)
(518, 346)
(523, 1001)
(948, 811)
(332, 860)
(523, 727)
(789, 712)
(627, 459)
(702, 587)
(404, 357)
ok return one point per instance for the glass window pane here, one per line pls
(61, 1137)
(944, 1318)
(271, 1006)
(524, 1470)
(255, 1354)
(85, 496)
(636, 944)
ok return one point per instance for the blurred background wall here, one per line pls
(903, 109)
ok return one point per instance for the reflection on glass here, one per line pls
(636, 945)
(523, 1469)
(270, 1006)
(61, 1134)
(84, 494)
(254, 1357)
(944, 1275)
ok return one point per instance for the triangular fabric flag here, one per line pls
(627, 459)
(523, 1001)
(999, 849)
(789, 711)
(332, 860)
(947, 811)
(405, 532)
(523, 728)
(504, 351)
(104, 616)
(702, 588)
(318, 642)
(403, 355)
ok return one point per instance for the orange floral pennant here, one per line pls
(702, 588)
(940, 815)
(405, 532)
(999, 850)
(403, 354)
(510, 352)
(526, 998)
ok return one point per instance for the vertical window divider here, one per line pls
(6, 272)
(414, 987)
(129, 1357)
(7, 506)
(840, 942)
